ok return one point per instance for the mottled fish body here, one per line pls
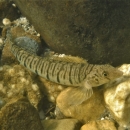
(83, 75)
(61, 72)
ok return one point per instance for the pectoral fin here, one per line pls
(80, 94)
(87, 88)
(75, 96)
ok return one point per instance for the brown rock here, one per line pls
(99, 125)
(14, 80)
(19, 31)
(89, 110)
(7, 57)
(17, 81)
(65, 124)
(19, 114)
(51, 89)
(93, 30)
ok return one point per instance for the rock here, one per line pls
(35, 96)
(16, 81)
(28, 44)
(12, 33)
(89, 110)
(117, 98)
(93, 30)
(19, 114)
(13, 80)
(99, 125)
(65, 124)
(52, 90)
(7, 57)
(118, 101)
(6, 22)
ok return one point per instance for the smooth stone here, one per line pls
(89, 110)
(99, 125)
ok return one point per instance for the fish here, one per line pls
(80, 75)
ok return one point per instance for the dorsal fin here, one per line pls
(68, 58)
(32, 46)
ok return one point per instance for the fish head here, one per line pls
(102, 74)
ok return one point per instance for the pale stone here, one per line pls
(117, 98)
(6, 21)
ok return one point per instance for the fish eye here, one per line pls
(105, 74)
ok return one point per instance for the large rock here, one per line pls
(19, 114)
(96, 30)
(117, 98)
(118, 102)
(91, 109)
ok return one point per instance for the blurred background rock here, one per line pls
(95, 30)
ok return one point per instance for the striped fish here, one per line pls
(83, 76)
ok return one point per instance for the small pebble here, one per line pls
(41, 114)
(14, 5)
(6, 21)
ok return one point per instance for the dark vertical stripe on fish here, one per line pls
(45, 69)
(70, 68)
(58, 69)
(26, 61)
(51, 70)
(83, 72)
(38, 66)
(19, 55)
(76, 74)
(31, 60)
(41, 66)
(91, 68)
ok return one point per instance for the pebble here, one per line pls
(28, 44)
(6, 21)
